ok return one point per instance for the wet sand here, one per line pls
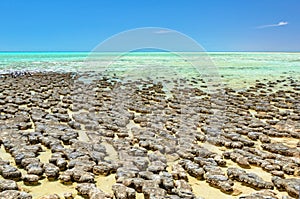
(109, 138)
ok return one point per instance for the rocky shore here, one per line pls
(63, 138)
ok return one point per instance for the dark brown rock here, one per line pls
(31, 179)
(8, 185)
(123, 192)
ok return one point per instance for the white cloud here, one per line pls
(282, 23)
(163, 31)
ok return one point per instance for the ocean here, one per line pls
(235, 69)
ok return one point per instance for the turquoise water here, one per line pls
(41, 60)
(234, 68)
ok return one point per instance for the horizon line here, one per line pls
(71, 51)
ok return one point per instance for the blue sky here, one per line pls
(218, 25)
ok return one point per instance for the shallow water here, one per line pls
(236, 69)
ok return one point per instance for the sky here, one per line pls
(217, 25)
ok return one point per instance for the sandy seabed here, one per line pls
(63, 138)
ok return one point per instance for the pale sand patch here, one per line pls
(139, 196)
(212, 148)
(49, 187)
(110, 150)
(202, 189)
(82, 136)
(291, 142)
(45, 155)
(6, 156)
(252, 112)
(130, 125)
(258, 171)
(105, 182)
(45, 187)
